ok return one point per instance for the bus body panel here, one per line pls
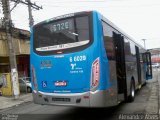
(64, 67)
(74, 69)
(66, 79)
(61, 69)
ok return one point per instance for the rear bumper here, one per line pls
(78, 99)
(86, 99)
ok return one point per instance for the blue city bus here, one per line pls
(82, 59)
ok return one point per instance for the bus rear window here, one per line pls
(61, 34)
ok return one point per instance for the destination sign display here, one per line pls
(61, 25)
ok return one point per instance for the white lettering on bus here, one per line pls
(63, 46)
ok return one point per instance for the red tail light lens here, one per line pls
(34, 80)
(95, 73)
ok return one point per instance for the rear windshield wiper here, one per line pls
(73, 33)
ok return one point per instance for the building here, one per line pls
(21, 43)
(155, 55)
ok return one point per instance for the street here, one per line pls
(102, 56)
(141, 105)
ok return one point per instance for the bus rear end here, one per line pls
(65, 61)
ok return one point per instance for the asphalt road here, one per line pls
(31, 111)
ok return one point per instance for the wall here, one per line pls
(20, 40)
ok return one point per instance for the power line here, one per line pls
(56, 4)
(80, 1)
(30, 6)
(26, 2)
(14, 6)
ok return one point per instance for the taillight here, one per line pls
(34, 79)
(95, 74)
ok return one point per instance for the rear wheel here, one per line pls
(132, 92)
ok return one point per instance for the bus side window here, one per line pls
(108, 41)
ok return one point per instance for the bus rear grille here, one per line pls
(61, 99)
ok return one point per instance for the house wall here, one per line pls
(21, 44)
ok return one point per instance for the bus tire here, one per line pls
(132, 92)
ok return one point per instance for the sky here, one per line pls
(140, 19)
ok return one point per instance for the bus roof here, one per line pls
(63, 16)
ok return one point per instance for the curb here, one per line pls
(10, 102)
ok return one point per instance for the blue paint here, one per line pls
(62, 69)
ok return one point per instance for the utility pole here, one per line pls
(11, 49)
(31, 21)
(30, 6)
(144, 40)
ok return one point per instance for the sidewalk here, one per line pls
(6, 102)
(153, 100)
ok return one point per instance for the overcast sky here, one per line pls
(138, 18)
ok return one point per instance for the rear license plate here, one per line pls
(61, 99)
(60, 83)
